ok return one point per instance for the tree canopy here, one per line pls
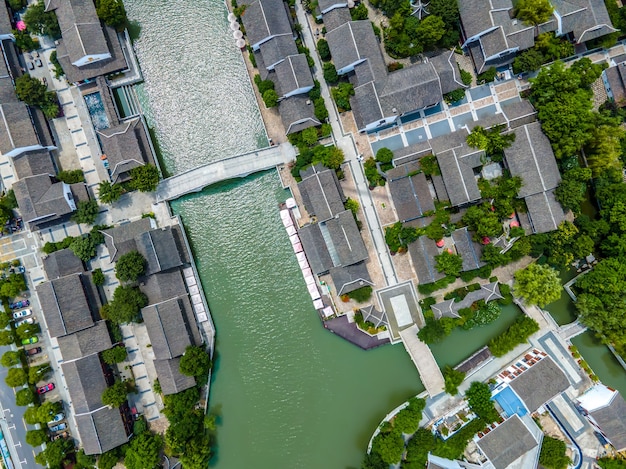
(109, 193)
(55, 453)
(195, 361)
(144, 451)
(115, 395)
(479, 399)
(552, 455)
(537, 284)
(126, 304)
(533, 12)
(86, 212)
(114, 355)
(16, 377)
(113, 13)
(11, 358)
(452, 379)
(36, 437)
(448, 263)
(130, 266)
(42, 22)
(144, 178)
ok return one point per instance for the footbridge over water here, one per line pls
(240, 166)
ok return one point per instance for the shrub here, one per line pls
(330, 73)
(98, 277)
(115, 396)
(371, 173)
(453, 379)
(195, 362)
(384, 155)
(487, 76)
(341, 94)
(24, 397)
(361, 295)
(552, 454)
(144, 178)
(270, 98)
(517, 334)
(466, 77)
(86, 212)
(479, 399)
(73, 176)
(323, 50)
(130, 266)
(408, 419)
(454, 96)
(429, 165)
(114, 355)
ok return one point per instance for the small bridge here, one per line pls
(241, 166)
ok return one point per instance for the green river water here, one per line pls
(288, 393)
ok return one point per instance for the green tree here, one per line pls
(384, 155)
(533, 12)
(452, 379)
(17, 5)
(430, 30)
(181, 432)
(361, 295)
(478, 397)
(113, 13)
(98, 277)
(389, 446)
(516, 334)
(537, 285)
(126, 304)
(86, 212)
(47, 410)
(485, 314)
(324, 50)
(483, 221)
(84, 461)
(449, 263)
(6, 338)
(552, 454)
(435, 330)
(603, 150)
(572, 188)
(114, 355)
(24, 397)
(270, 98)
(84, 248)
(309, 136)
(16, 377)
(36, 437)
(528, 61)
(30, 90)
(608, 463)
(58, 68)
(109, 459)
(24, 41)
(330, 73)
(115, 396)
(42, 22)
(38, 373)
(352, 205)
(11, 358)
(341, 94)
(195, 361)
(144, 178)
(197, 452)
(109, 193)
(24, 331)
(144, 452)
(72, 176)
(55, 453)
(12, 286)
(408, 419)
(5, 319)
(130, 266)
(31, 415)
(180, 404)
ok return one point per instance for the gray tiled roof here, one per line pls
(62, 263)
(16, 128)
(161, 250)
(544, 211)
(169, 327)
(171, 379)
(7, 91)
(163, 286)
(616, 78)
(445, 309)
(423, 252)
(315, 248)
(276, 49)
(612, 420)
(366, 105)
(586, 19)
(121, 239)
(410, 88)
(325, 4)
(293, 74)
(350, 278)
(297, 113)
(336, 17)
(322, 194)
(518, 112)
(32, 163)
(475, 16)
(86, 383)
(540, 383)
(531, 157)
(125, 146)
(264, 19)
(101, 431)
(68, 303)
(38, 198)
(507, 443)
(451, 308)
(83, 343)
(493, 43)
(411, 196)
(469, 250)
(351, 42)
(345, 239)
(371, 314)
(5, 21)
(448, 71)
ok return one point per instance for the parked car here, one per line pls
(31, 340)
(20, 268)
(33, 351)
(24, 321)
(58, 428)
(22, 314)
(45, 388)
(57, 418)
(19, 304)
(30, 65)
(38, 63)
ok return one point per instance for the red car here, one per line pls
(45, 388)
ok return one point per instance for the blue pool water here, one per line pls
(510, 403)
(96, 110)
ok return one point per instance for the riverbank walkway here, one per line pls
(238, 166)
(422, 357)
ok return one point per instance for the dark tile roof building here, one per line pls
(101, 431)
(324, 6)
(293, 76)
(605, 409)
(321, 193)
(275, 50)
(69, 304)
(541, 383)
(297, 113)
(423, 252)
(121, 239)
(17, 133)
(451, 308)
(5, 22)
(32, 163)
(614, 79)
(171, 379)
(469, 250)
(371, 314)
(315, 248)
(411, 196)
(507, 443)
(94, 339)
(531, 158)
(265, 19)
(163, 286)
(349, 278)
(336, 17)
(161, 249)
(62, 263)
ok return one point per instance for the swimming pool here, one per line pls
(510, 403)
(96, 110)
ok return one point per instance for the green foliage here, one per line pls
(493, 141)
(24, 397)
(483, 221)
(109, 459)
(436, 330)
(371, 173)
(86, 212)
(452, 379)
(478, 397)
(270, 98)
(608, 463)
(84, 461)
(55, 453)
(180, 404)
(38, 373)
(72, 176)
(352, 205)
(34, 93)
(537, 285)
(341, 94)
(330, 73)
(24, 331)
(144, 178)
(126, 304)
(84, 247)
(36, 437)
(12, 286)
(144, 451)
(195, 362)
(487, 76)
(552, 454)
(330, 156)
(408, 419)
(604, 149)
(11, 358)
(389, 446)
(113, 13)
(407, 36)
(130, 266)
(384, 155)
(428, 288)
(16, 377)
(5, 319)
(17, 5)
(41, 22)
(114, 355)
(517, 334)
(6, 338)
(454, 96)
(448, 263)
(359, 13)
(24, 41)
(485, 314)
(448, 11)
(58, 69)
(263, 85)
(321, 113)
(429, 165)
(98, 277)
(115, 396)
(533, 12)
(109, 193)
(572, 189)
(528, 61)
(361, 295)
(323, 50)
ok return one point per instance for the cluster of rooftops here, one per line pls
(71, 309)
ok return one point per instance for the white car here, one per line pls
(24, 321)
(22, 314)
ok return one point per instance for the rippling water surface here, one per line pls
(290, 394)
